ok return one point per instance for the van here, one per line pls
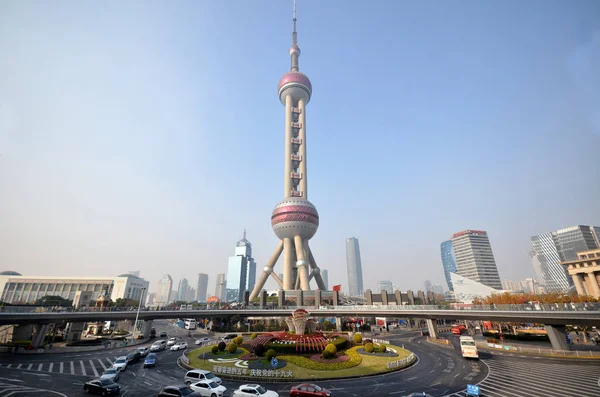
(197, 375)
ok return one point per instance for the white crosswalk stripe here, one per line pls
(509, 378)
(102, 364)
(93, 368)
(89, 367)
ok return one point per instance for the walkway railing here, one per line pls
(538, 351)
(592, 306)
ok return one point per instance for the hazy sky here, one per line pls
(147, 135)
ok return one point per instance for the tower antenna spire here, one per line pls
(294, 34)
(294, 50)
(244, 234)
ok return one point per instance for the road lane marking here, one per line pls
(61, 368)
(83, 368)
(102, 364)
(133, 373)
(40, 367)
(9, 365)
(29, 366)
(148, 383)
(72, 368)
(93, 367)
(435, 384)
(51, 367)
(13, 380)
(414, 377)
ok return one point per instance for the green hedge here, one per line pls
(340, 343)
(307, 363)
(280, 348)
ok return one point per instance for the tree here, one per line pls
(120, 302)
(53, 300)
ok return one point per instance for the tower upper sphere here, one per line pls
(295, 84)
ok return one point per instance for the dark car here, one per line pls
(150, 360)
(309, 390)
(163, 334)
(133, 357)
(105, 387)
(229, 337)
(178, 391)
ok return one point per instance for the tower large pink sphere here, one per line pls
(295, 217)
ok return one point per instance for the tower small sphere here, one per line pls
(295, 217)
(295, 84)
(301, 262)
(294, 49)
(268, 269)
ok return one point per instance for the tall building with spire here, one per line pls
(295, 219)
(241, 271)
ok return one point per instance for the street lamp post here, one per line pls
(137, 315)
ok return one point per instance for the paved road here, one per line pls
(440, 371)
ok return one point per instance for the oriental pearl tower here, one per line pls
(295, 219)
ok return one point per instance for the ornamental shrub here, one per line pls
(222, 346)
(331, 348)
(304, 362)
(328, 354)
(259, 350)
(382, 348)
(214, 349)
(232, 347)
(254, 335)
(340, 342)
(357, 338)
(238, 340)
(369, 348)
(270, 354)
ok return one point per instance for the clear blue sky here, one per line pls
(148, 135)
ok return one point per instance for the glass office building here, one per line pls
(241, 271)
(354, 267)
(448, 261)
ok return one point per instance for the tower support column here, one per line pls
(317, 270)
(288, 264)
(287, 184)
(302, 149)
(302, 264)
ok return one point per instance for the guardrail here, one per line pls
(592, 306)
(539, 351)
(405, 362)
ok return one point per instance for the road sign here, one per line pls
(274, 362)
(472, 390)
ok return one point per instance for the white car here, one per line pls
(111, 374)
(196, 375)
(143, 351)
(253, 391)
(120, 363)
(203, 341)
(179, 346)
(208, 388)
(158, 346)
(171, 341)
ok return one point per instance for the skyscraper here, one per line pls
(201, 287)
(475, 259)
(437, 289)
(220, 290)
(241, 271)
(354, 267)
(385, 285)
(165, 285)
(427, 285)
(549, 249)
(295, 219)
(182, 290)
(325, 277)
(448, 261)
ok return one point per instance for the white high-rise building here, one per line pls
(165, 285)
(241, 271)
(325, 277)
(549, 249)
(475, 259)
(220, 290)
(354, 267)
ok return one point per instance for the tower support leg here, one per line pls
(268, 270)
(316, 269)
(302, 264)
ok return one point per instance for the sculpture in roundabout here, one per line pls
(300, 352)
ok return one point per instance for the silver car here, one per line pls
(111, 374)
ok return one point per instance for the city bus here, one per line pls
(189, 323)
(468, 347)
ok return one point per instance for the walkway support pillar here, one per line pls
(558, 336)
(432, 327)
(147, 328)
(338, 324)
(39, 335)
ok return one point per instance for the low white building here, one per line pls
(465, 289)
(18, 289)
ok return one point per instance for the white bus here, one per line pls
(468, 347)
(189, 323)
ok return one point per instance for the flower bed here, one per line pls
(304, 362)
(338, 359)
